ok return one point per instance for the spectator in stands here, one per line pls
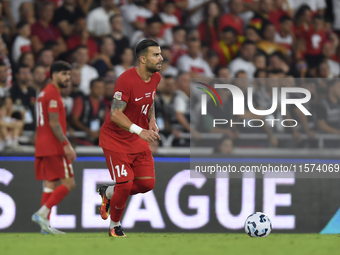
(127, 59)
(46, 59)
(134, 16)
(260, 61)
(22, 42)
(244, 61)
(102, 61)
(88, 73)
(11, 9)
(26, 58)
(26, 11)
(169, 20)
(229, 45)
(167, 69)
(152, 31)
(316, 6)
(232, 19)
(39, 78)
(4, 58)
(226, 146)
(65, 17)
(277, 61)
(328, 113)
(213, 60)
(178, 46)
(88, 113)
(328, 51)
(4, 88)
(75, 82)
(260, 19)
(82, 37)
(268, 45)
(209, 27)
(121, 41)
(323, 70)
(108, 93)
(98, 19)
(223, 73)
(43, 30)
(164, 104)
(110, 75)
(181, 119)
(285, 34)
(10, 129)
(278, 12)
(193, 63)
(24, 97)
(252, 34)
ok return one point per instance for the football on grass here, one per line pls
(258, 225)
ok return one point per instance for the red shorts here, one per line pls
(125, 167)
(51, 168)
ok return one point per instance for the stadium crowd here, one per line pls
(224, 39)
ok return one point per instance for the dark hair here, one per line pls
(153, 19)
(168, 76)
(59, 66)
(177, 28)
(37, 66)
(114, 16)
(285, 18)
(44, 49)
(248, 42)
(79, 47)
(318, 16)
(43, 4)
(280, 55)
(230, 29)
(21, 24)
(20, 66)
(143, 46)
(276, 71)
(300, 12)
(94, 81)
(101, 41)
(166, 47)
(167, 2)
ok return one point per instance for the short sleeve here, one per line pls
(122, 91)
(180, 105)
(53, 103)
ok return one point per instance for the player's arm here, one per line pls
(53, 118)
(152, 119)
(117, 116)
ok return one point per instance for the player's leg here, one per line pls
(144, 169)
(106, 192)
(49, 187)
(60, 168)
(119, 165)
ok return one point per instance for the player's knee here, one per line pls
(124, 188)
(69, 184)
(146, 185)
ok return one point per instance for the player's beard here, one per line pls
(63, 84)
(153, 69)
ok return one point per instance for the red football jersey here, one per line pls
(314, 41)
(47, 144)
(139, 96)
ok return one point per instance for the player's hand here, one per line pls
(69, 152)
(149, 136)
(153, 126)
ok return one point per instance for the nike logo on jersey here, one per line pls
(137, 99)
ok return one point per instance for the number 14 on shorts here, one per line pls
(120, 170)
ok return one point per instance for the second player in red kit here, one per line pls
(127, 132)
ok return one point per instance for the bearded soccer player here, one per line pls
(53, 152)
(127, 132)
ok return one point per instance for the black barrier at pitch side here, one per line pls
(178, 203)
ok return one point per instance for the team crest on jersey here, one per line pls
(118, 95)
(53, 104)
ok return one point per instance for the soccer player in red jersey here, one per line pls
(127, 132)
(53, 152)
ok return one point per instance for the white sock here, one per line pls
(114, 224)
(109, 192)
(44, 211)
(8, 140)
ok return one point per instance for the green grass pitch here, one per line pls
(164, 244)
